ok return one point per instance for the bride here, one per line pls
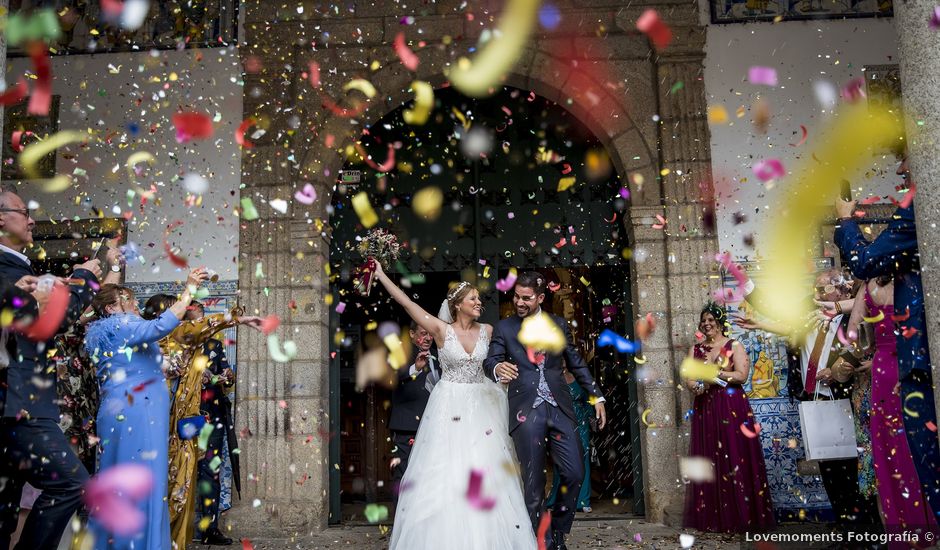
(463, 439)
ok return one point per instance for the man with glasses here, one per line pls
(32, 446)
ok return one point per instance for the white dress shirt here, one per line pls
(822, 386)
(16, 253)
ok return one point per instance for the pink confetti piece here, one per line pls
(340, 307)
(112, 495)
(803, 138)
(282, 404)
(908, 197)
(307, 195)
(269, 324)
(475, 492)
(240, 133)
(504, 285)
(653, 27)
(405, 55)
(769, 169)
(766, 76)
(313, 74)
(854, 90)
(191, 126)
(934, 22)
(41, 98)
(662, 222)
(749, 433)
(520, 417)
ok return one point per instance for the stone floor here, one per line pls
(595, 533)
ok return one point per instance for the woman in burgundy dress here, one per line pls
(724, 433)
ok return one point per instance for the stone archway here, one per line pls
(651, 125)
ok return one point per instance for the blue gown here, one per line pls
(895, 253)
(133, 420)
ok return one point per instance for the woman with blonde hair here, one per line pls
(462, 488)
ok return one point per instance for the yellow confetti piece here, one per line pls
(845, 150)
(876, 319)
(541, 333)
(717, 115)
(424, 103)
(33, 152)
(693, 369)
(364, 210)
(565, 183)
(396, 351)
(362, 85)
(427, 202)
(584, 281)
(476, 78)
(644, 417)
(639, 360)
(912, 395)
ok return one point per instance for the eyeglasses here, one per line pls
(23, 211)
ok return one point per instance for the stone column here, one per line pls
(4, 6)
(919, 52)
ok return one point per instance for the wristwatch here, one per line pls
(116, 268)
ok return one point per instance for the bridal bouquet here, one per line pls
(378, 245)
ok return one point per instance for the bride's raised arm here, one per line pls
(431, 323)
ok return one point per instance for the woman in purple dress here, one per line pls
(724, 433)
(899, 491)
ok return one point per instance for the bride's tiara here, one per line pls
(453, 294)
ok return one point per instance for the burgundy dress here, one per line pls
(739, 498)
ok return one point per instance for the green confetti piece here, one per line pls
(676, 87)
(215, 463)
(249, 212)
(259, 270)
(376, 513)
(204, 434)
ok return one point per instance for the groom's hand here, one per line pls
(601, 415)
(506, 372)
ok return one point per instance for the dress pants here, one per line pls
(547, 425)
(402, 442)
(919, 412)
(36, 451)
(208, 485)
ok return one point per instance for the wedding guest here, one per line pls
(133, 420)
(218, 379)
(722, 432)
(32, 447)
(822, 369)
(902, 503)
(184, 346)
(410, 399)
(894, 253)
(584, 413)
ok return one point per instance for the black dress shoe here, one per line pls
(215, 537)
(559, 539)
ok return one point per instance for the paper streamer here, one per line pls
(611, 338)
(281, 355)
(240, 133)
(424, 103)
(16, 140)
(362, 85)
(385, 166)
(50, 318)
(476, 78)
(15, 94)
(33, 152)
(405, 55)
(654, 28)
(41, 98)
(846, 146)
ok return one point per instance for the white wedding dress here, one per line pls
(464, 428)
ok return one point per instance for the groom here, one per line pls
(541, 413)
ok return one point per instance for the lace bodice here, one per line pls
(458, 365)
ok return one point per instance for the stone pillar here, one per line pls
(4, 5)
(919, 52)
(674, 280)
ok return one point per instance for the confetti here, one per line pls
(697, 468)
(249, 212)
(240, 133)
(476, 78)
(427, 203)
(503, 285)
(424, 103)
(693, 369)
(565, 183)
(854, 135)
(654, 28)
(749, 433)
(934, 22)
(15, 94)
(405, 55)
(770, 169)
(176, 260)
(313, 74)
(376, 512)
(49, 320)
(542, 333)
(307, 195)
(544, 522)
(475, 492)
(686, 541)
(364, 210)
(361, 85)
(803, 138)
(766, 76)
(611, 338)
(278, 354)
(913, 395)
(645, 418)
(876, 319)
(191, 125)
(113, 494)
(717, 115)
(41, 98)
(644, 327)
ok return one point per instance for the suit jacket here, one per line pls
(894, 252)
(29, 383)
(410, 398)
(505, 346)
(796, 386)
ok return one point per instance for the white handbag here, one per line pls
(828, 429)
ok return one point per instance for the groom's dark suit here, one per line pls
(534, 428)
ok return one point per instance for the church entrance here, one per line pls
(519, 183)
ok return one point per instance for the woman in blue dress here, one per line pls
(133, 418)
